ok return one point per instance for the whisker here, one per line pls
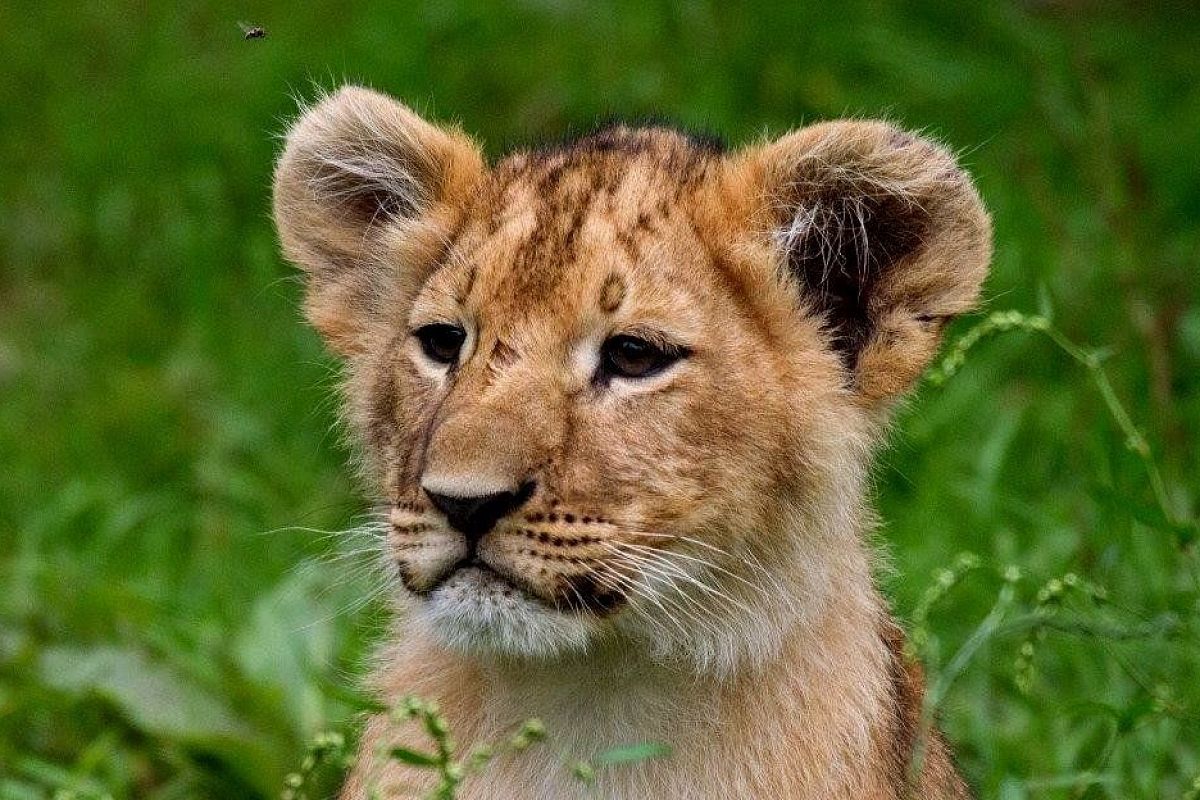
(698, 543)
(654, 597)
(695, 610)
(662, 558)
(668, 572)
(616, 582)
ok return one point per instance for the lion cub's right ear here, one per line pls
(365, 194)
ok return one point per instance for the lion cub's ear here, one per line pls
(885, 236)
(365, 193)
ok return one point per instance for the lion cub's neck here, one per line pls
(811, 716)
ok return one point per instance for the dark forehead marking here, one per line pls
(630, 237)
(612, 293)
(471, 273)
(503, 354)
(450, 251)
(571, 228)
(497, 198)
(449, 245)
(735, 289)
(548, 181)
(564, 182)
(679, 152)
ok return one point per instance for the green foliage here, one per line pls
(451, 770)
(586, 771)
(327, 750)
(164, 415)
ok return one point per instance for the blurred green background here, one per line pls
(173, 623)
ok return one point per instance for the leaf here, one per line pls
(627, 754)
(153, 696)
(54, 776)
(413, 757)
(1147, 514)
(353, 698)
(18, 790)
(286, 639)
(1132, 715)
(162, 702)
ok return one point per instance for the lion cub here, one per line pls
(618, 397)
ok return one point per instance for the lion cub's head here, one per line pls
(623, 388)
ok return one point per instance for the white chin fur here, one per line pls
(477, 612)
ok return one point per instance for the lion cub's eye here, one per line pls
(631, 357)
(441, 342)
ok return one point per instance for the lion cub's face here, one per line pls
(577, 370)
(623, 387)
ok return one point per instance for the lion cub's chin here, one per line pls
(477, 612)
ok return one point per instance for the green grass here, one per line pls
(163, 413)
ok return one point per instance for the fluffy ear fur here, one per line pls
(885, 236)
(365, 193)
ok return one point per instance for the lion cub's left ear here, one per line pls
(885, 236)
(366, 193)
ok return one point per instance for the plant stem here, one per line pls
(1001, 321)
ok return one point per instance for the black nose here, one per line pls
(475, 515)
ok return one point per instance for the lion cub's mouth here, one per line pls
(479, 576)
(579, 594)
(557, 561)
(475, 570)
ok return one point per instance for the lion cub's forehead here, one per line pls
(586, 224)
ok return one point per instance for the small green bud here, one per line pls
(584, 772)
(535, 729)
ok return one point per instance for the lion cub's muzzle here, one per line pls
(559, 558)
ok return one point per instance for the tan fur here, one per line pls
(691, 565)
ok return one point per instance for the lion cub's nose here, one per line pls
(473, 515)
